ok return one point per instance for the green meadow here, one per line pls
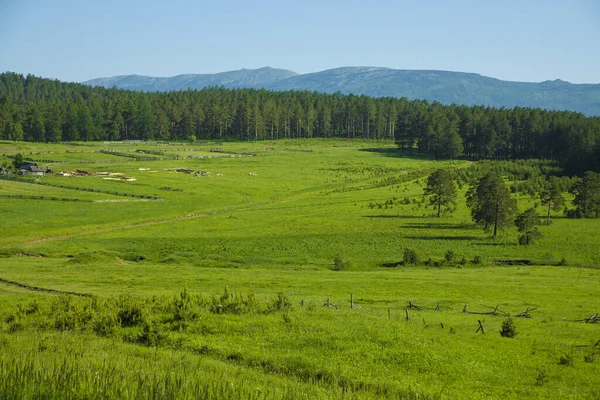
(135, 279)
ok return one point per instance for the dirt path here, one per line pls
(114, 228)
(148, 223)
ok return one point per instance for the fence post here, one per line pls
(480, 328)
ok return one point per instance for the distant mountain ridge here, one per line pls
(243, 78)
(445, 87)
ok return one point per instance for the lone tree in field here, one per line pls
(527, 223)
(491, 204)
(441, 189)
(552, 197)
(587, 195)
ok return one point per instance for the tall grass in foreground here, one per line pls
(68, 371)
(81, 367)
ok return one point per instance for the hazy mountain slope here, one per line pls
(442, 86)
(448, 87)
(244, 78)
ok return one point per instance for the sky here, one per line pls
(524, 40)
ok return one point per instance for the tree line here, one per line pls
(37, 109)
(493, 207)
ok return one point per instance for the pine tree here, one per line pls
(587, 195)
(491, 204)
(527, 223)
(552, 197)
(15, 131)
(441, 189)
(143, 119)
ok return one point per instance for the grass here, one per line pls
(274, 223)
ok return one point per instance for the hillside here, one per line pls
(285, 274)
(442, 86)
(244, 78)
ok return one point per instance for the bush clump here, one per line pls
(339, 264)
(410, 257)
(151, 336)
(131, 312)
(509, 329)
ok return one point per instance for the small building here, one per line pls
(6, 171)
(29, 168)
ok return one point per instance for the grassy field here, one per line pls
(253, 242)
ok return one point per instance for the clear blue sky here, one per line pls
(525, 40)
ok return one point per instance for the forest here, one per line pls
(44, 110)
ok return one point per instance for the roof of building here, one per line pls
(27, 165)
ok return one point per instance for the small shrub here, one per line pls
(235, 357)
(134, 257)
(42, 346)
(589, 357)
(11, 318)
(477, 260)
(281, 303)
(410, 257)
(15, 327)
(32, 308)
(449, 256)
(541, 378)
(287, 318)
(509, 330)
(202, 350)
(65, 321)
(105, 324)
(131, 312)
(184, 308)
(339, 264)
(549, 258)
(528, 238)
(566, 360)
(151, 336)
(563, 262)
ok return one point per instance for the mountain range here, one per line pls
(445, 87)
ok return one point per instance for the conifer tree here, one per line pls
(491, 204)
(587, 195)
(552, 197)
(527, 223)
(441, 189)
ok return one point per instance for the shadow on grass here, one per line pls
(395, 216)
(449, 238)
(440, 225)
(391, 265)
(395, 153)
(511, 244)
(514, 262)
